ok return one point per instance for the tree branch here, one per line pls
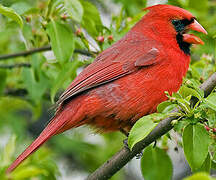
(15, 92)
(120, 159)
(41, 49)
(11, 66)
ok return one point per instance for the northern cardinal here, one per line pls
(127, 80)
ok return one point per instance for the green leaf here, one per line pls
(195, 73)
(184, 104)
(91, 20)
(200, 176)
(21, 7)
(63, 75)
(162, 106)
(213, 165)
(156, 164)
(143, 127)
(8, 105)
(9, 12)
(180, 126)
(74, 9)
(211, 101)
(119, 18)
(28, 172)
(3, 77)
(195, 143)
(206, 166)
(176, 95)
(213, 149)
(169, 108)
(8, 152)
(36, 88)
(211, 117)
(186, 91)
(62, 40)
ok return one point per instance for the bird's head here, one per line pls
(177, 22)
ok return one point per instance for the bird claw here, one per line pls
(125, 142)
(155, 143)
(139, 155)
(124, 132)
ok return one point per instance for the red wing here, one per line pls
(122, 58)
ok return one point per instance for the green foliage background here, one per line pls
(28, 93)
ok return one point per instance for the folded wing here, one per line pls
(124, 57)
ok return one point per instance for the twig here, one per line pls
(11, 66)
(41, 49)
(120, 159)
(15, 92)
(84, 52)
(25, 53)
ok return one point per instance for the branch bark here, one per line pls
(120, 159)
(15, 92)
(11, 66)
(41, 49)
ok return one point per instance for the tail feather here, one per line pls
(51, 129)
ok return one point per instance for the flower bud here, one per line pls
(110, 38)
(207, 128)
(100, 39)
(28, 19)
(174, 122)
(172, 99)
(78, 32)
(64, 17)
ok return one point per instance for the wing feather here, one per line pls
(123, 58)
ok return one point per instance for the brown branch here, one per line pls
(120, 159)
(11, 66)
(41, 49)
(25, 53)
(15, 92)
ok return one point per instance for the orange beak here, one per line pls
(192, 39)
(197, 27)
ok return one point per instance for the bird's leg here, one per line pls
(155, 143)
(139, 155)
(126, 133)
(125, 142)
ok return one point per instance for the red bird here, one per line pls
(127, 80)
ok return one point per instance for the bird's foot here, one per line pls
(124, 132)
(139, 155)
(155, 143)
(125, 142)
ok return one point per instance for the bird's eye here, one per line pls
(178, 24)
(175, 22)
(181, 24)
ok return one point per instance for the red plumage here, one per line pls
(127, 80)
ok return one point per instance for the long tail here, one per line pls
(56, 124)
